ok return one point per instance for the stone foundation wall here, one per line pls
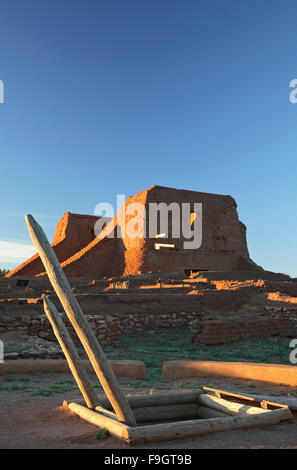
(218, 332)
(107, 328)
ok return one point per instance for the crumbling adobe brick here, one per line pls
(217, 332)
(223, 248)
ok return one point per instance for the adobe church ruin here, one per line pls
(82, 254)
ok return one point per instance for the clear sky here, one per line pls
(107, 97)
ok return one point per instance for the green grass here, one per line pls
(156, 347)
(153, 377)
(15, 387)
(9, 378)
(13, 349)
(63, 382)
(250, 384)
(14, 384)
(25, 379)
(102, 434)
(54, 388)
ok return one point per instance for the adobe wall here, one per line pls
(73, 232)
(110, 256)
(146, 303)
(222, 331)
(224, 245)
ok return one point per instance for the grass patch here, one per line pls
(152, 380)
(13, 349)
(25, 379)
(98, 385)
(250, 384)
(21, 383)
(9, 378)
(154, 347)
(14, 388)
(63, 382)
(102, 434)
(53, 389)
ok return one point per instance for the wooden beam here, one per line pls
(115, 428)
(264, 401)
(205, 413)
(185, 429)
(273, 400)
(229, 407)
(151, 414)
(103, 411)
(174, 398)
(222, 393)
(158, 413)
(71, 354)
(179, 429)
(79, 323)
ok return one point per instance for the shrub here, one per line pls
(3, 272)
(102, 434)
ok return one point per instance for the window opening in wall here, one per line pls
(161, 235)
(163, 245)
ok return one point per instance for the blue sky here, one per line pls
(107, 97)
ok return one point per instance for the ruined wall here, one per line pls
(223, 247)
(110, 256)
(73, 231)
(223, 331)
(107, 328)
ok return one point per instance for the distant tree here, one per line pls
(3, 272)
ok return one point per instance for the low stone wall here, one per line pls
(107, 328)
(217, 332)
(145, 302)
(107, 332)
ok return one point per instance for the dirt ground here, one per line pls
(35, 421)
